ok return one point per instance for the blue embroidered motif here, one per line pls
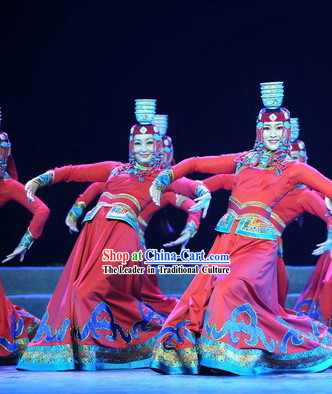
(147, 312)
(178, 334)
(311, 308)
(16, 329)
(232, 327)
(45, 329)
(94, 324)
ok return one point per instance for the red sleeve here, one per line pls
(185, 203)
(224, 164)
(39, 210)
(194, 216)
(85, 173)
(91, 192)
(146, 215)
(313, 203)
(184, 186)
(302, 173)
(222, 181)
(177, 201)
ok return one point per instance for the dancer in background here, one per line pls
(96, 320)
(17, 326)
(316, 297)
(234, 322)
(11, 189)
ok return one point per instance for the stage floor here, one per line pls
(146, 381)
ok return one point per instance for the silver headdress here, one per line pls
(295, 129)
(272, 94)
(145, 110)
(161, 121)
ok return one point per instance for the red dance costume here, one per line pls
(17, 327)
(316, 298)
(96, 320)
(150, 291)
(16, 324)
(234, 322)
(295, 203)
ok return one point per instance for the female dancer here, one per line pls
(234, 322)
(150, 290)
(17, 326)
(96, 320)
(315, 299)
(182, 202)
(299, 200)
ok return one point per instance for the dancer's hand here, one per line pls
(323, 247)
(182, 240)
(25, 243)
(20, 250)
(73, 215)
(155, 194)
(37, 182)
(71, 224)
(160, 184)
(31, 187)
(328, 203)
(203, 203)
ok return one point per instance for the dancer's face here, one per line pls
(272, 133)
(143, 148)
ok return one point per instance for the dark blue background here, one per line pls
(70, 71)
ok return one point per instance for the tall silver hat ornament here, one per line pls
(272, 94)
(161, 121)
(145, 111)
(295, 128)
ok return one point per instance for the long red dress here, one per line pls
(234, 322)
(295, 203)
(16, 324)
(150, 291)
(96, 320)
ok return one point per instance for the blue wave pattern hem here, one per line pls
(62, 349)
(180, 353)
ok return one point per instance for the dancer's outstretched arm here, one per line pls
(209, 164)
(40, 215)
(82, 201)
(302, 173)
(81, 173)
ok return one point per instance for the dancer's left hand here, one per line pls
(20, 250)
(182, 240)
(31, 188)
(202, 204)
(328, 203)
(155, 194)
(323, 247)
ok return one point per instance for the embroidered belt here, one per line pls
(253, 217)
(106, 197)
(278, 223)
(118, 211)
